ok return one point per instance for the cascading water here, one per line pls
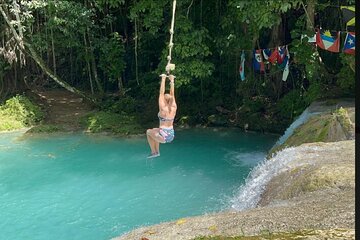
(300, 120)
(249, 194)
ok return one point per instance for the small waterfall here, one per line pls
(300, 120)
(249, 194)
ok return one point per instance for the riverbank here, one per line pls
(312, 191)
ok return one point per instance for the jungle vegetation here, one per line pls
(111, 52)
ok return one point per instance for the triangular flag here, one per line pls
(349, 45)
(266, 53)
(258, 61)
(328, 42)
(286, 69)
(281, 55)
(273, 57)
(241, 69)
(348, 15)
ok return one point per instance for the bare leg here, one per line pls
(157, 147)
(150, 141)
(156, 139)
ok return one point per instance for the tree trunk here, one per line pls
(276, 36)
(93, 65)
(33, 54)
(121, 87)
(310, 15)
(57, 79)
(53, 50)
(88, 64)
(136, 53)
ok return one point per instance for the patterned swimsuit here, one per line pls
(167, 133)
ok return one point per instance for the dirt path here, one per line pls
(63, 108)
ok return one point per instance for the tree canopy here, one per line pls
(98, 48)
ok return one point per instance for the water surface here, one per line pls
(74, 186)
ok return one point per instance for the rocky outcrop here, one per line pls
(332, 121)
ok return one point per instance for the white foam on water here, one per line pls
(243, 158)
(249, 194)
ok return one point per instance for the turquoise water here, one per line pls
(97, 187)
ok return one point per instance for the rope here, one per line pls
(170, 66)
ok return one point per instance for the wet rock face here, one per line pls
(321, 166)
(331, 123)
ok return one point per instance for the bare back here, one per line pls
(167, 112)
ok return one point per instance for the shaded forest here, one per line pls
(111, 52)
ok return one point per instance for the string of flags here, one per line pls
(280, 56)
(264, 58)
(331, 42)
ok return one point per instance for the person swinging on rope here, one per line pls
(167, 111)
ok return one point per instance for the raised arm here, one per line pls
(172, 88)
(162, 90)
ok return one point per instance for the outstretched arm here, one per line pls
(162, 84)
(162, 90)
(172, 88)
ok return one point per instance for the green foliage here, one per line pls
(315, 91)
(307, 58)
(19, 112)
(292, 104)
(122, 105)
(261, 14)
(190, 53)
(112, 123)
(255, 104)
(346, 76)
(102, 42)
(149, 14)
(112, 53)
(45, 128)
(101, 4)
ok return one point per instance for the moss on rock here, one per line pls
(325, 127)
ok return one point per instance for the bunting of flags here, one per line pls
(331, 42)
(327, 41)
(263, 57)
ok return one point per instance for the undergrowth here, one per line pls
(19, 112)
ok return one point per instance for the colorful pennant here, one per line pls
(327, 41)
(349, 44)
